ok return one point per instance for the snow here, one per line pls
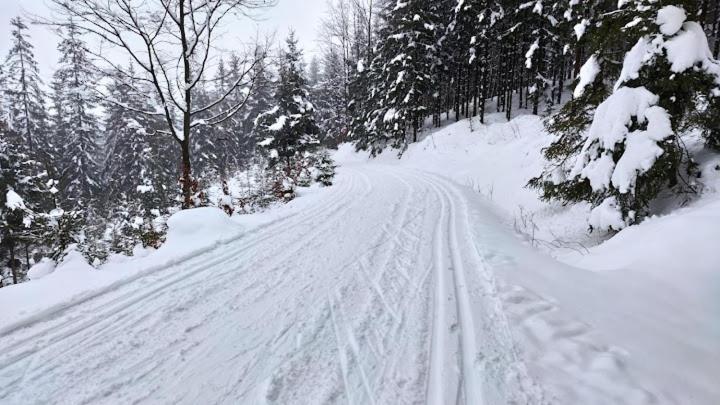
(279, 123)
(390, 115)
(41, 269)
(635, 59)
(200, 226)
(266, 142)
(437, 278)
(191, 232)
(649, 293)
(13, 201)
(610, 127)
(588, 73)
(529, 54)
(580, 28)
(641, 149)
(607, 215)
(688, 48)
(670, 19)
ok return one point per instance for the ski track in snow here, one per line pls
(376, 295)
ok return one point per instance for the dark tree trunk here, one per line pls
(13, 264)
(186, 171)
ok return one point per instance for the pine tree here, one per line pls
(261, 99)
(205, 148)
(228, 152)
(465, 47)
(76, 126)
(26, 195)
(331, 102)
(133, 170)
(288, 129)
(23, 93)
(402, 67)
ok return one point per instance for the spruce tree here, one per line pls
(288, 130)
(633, 149)
(261, 99)
(403, 66)
(330, 96)
(24, 96)
(76, 125)
(26, 196)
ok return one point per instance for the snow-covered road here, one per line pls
(378, 293)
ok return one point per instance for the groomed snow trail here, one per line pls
(378, 294)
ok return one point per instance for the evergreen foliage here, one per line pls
(288, 130)
(76, 127)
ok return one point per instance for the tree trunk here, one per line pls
(186, 171)
(185, 143)
(27, 255)
(13, 265)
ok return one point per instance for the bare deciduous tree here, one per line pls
(172, 41)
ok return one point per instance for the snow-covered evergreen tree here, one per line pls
(260, 100)
(633, 149)
(76, 129)
(26, 195)
(402, 70)
(288, 130)
(331, 100)
(134, 171)
(22, 88)
(205, 147)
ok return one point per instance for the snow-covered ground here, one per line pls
(436, 279)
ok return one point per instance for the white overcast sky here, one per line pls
(301, 15)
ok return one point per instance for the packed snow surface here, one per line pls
(405, 282)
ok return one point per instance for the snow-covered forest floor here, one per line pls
(425, 279)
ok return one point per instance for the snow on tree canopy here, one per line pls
(279, 124)
(610, 127)
(688, 48)
(588, 73)
(580, 28)
(670, 19)
(13, 201)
